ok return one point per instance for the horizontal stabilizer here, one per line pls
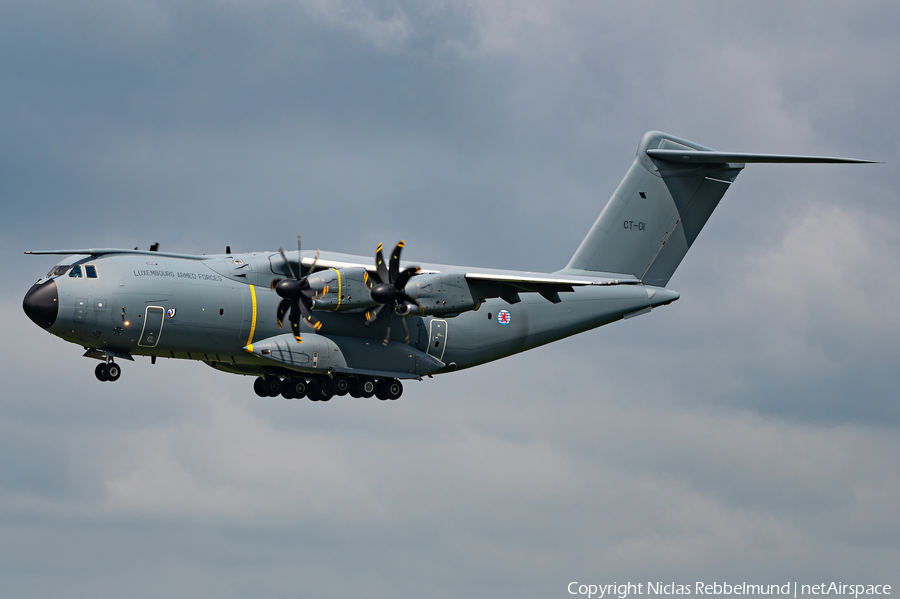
(696, 157)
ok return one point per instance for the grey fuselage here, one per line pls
(215, 308)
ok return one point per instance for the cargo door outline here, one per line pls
(437, 338)
(153, 323)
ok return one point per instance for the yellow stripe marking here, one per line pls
(252, 320)
(339, 289)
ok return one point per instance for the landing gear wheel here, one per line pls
(100, 373)
(320, 390)
(286, 391)
(367, 388)
(388, 389)
(259, 386)
(341, 385)
(394, 389)
(326, 389)
(298, 387)
(111, 371)
(272, 385)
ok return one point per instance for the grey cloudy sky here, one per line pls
(747, 432)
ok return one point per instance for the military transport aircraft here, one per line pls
(362, 327)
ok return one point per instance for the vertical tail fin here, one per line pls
(655, 214)
(661, 205)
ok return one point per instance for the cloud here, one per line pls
(746, 430)
(386, 27)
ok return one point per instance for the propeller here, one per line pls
(296, 295)
(389, 287)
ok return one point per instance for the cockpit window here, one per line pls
(76, 272)
(90, 271)
(57, 271)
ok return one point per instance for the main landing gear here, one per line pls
(108, 371)
(324, 388)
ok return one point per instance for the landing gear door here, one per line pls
(437, 338)
(153, 322)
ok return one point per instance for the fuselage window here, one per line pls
(90, 271)
(76, 272)
(57, 271)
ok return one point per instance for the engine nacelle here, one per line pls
(440, 293)
(341, 290)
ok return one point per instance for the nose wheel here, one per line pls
(107, 371)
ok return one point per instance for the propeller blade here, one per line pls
(380, 267)
(315, 261)
(290, 268)
(295, 320)
(395, 261)
(299, 257)
(369, 281)
(372, 313)
(316, 324)
(296, 294)
(405, 329)
(306, 310)
(283, 307)
(404, 276)
(387, 336)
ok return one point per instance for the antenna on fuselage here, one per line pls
(154, 247)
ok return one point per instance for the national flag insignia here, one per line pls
(170, 312)
(503, 317)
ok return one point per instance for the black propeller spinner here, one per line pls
(297, 296)
(390, 287)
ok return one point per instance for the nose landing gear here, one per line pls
(107, 371)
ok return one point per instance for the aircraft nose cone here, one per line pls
(41, 304)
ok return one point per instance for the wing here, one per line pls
(108, 251)
(509, 285)
(487, 283)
